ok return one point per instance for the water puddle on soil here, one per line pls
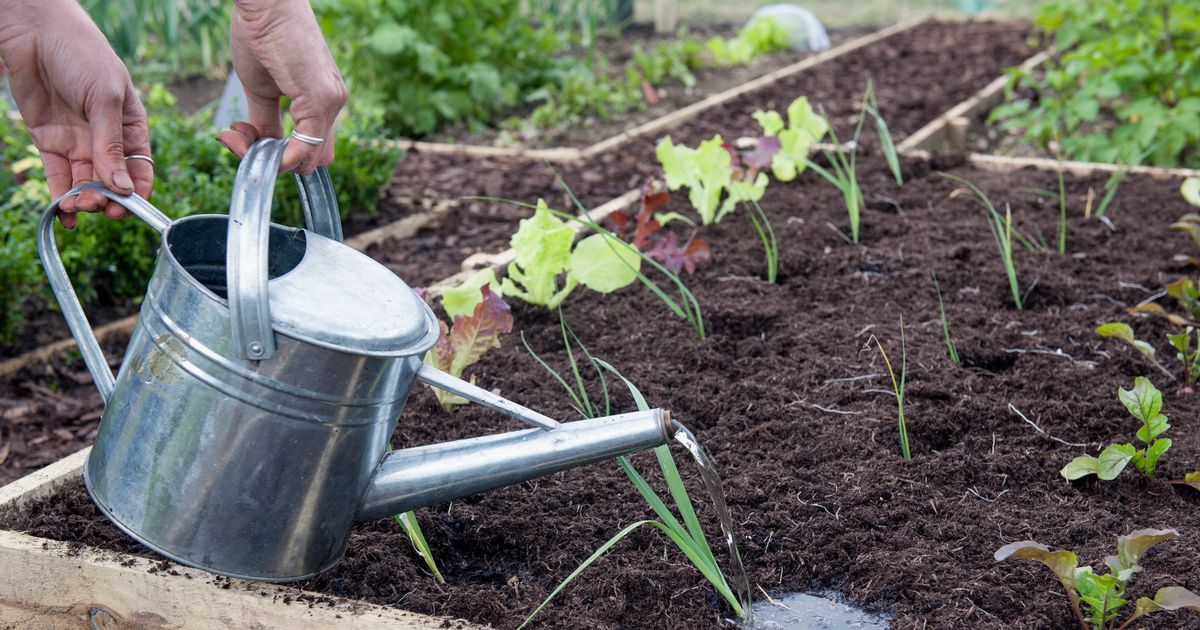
(789, 611)
(801, 611)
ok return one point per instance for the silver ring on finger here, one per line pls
(139, 156)
(307, 139)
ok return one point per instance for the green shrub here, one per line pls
(1126, 86)
(425, 63)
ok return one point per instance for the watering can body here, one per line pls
(247, 428)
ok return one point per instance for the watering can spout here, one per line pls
(428, 475)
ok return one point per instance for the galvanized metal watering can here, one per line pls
(247, 427)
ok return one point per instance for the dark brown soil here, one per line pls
(672, 95)
(796, 411)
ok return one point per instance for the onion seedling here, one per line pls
(1001, 228)
(885, 136)
(843, 174)
(897, 387)
(950, 349)
(688, 536)
(412, 529)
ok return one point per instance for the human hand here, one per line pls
(78, 103)
(278, 50)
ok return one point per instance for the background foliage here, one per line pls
(1126, 86)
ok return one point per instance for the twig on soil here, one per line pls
(839, 412)
(1057, 352)
(850, 379)
(976, 493)
(1040, 429)
(839, 232)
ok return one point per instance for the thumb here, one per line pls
(105, 116)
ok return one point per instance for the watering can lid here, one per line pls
(339, 298)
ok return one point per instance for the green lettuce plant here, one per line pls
(805, 127)
(719, 179)
(761, 36)
(1102, 595)
(1143, 402)
(544, 250)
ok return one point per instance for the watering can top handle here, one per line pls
(249, 229)
(64, 292)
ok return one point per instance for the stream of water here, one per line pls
(790, 611)
(712, 482)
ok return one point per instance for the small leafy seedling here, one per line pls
(644, 230)
(1102, 596)
(543, 251)
(1187, 354)
(1190, 189)
(465, 341)
(1144, 402)
(719, 179)
(1124, 332)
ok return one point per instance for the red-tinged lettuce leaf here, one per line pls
(464, 343)
(764, 152)
(735, 158)
(676, 257)
(645, 225)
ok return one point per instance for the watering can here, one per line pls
(247, 429)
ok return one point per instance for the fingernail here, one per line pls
(122, 180)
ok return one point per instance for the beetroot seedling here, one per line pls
(1143, 402)
(1124, 332)
(1102, 596)
(1187, 354)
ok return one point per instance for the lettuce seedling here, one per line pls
(1188, 355)
(713, 170)
(647, 225)
(464, 342)
(1144, 402)
(761, 36)
(1103, 595)
(706, 171)
(805, 128)
(543, 251)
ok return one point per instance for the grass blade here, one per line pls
(408, 521)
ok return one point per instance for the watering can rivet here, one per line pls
(256, 349)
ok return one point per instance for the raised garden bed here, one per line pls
(913, 85)
(802, 424)
(918, 74)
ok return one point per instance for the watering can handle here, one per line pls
(249, 228)
(64, 292)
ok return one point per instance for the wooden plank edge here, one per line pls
(398, 229)
(935, 131)
(58, 585)
(553, 154)
(1005, 164)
